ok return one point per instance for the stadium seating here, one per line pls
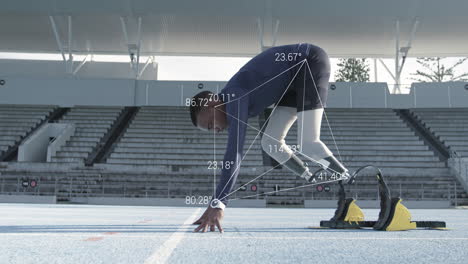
(450, 125)
(377, 137)
(165, 137)
(161, 154)
(91, 124)
(17, 120)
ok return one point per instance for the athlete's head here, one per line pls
(208, 112)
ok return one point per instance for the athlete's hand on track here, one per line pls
(211, 218)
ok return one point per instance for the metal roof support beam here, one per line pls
(406, 49)
(70, 39)
(127, 41)
(275, 32)
(397, 56)
(375, 71)
(268, 22)
(267, 27)
(124, 29)
(133, 48)
(402, 51)
(260, 32)
(150, 59)
(386, 68)
(68, 62)
(83, 62)
(57, 37)
(155, 67)
(138, 47)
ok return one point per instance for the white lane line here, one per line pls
(164, 252)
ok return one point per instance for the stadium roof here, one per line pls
(233, 28)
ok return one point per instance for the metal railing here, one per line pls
(425, 192)
(68, 187)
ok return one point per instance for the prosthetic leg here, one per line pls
(273, 143)
(308, 137)
(309, 144)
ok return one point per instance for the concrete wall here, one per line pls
(173, 93)
(63, 132)
(357, 95)
(400, 101)
(28, 199)
(68, 92)
(56, 69)
(449, 94)
(36, 147)
(128, 92)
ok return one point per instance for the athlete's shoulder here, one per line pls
(238, 82)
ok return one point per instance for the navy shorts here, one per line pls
(305, 92)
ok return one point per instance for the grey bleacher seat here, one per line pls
(91, 124)
(164, 137)
(18, 120)
(449, 124)
(176, 154)
(371, 136)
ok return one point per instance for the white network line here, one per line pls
(303, 154)
(324, 112)
(245, 184)
(288, 189)
(266, 121)
(300, 152)
(303, 101)
(214, 155)
(302, 61)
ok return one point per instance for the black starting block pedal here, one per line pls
(393, 216)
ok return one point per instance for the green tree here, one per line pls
(435, 70)
(352, 70)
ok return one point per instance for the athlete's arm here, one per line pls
(237, 114)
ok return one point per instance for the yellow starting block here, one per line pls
(393, 216)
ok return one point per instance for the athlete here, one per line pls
(294, 79)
